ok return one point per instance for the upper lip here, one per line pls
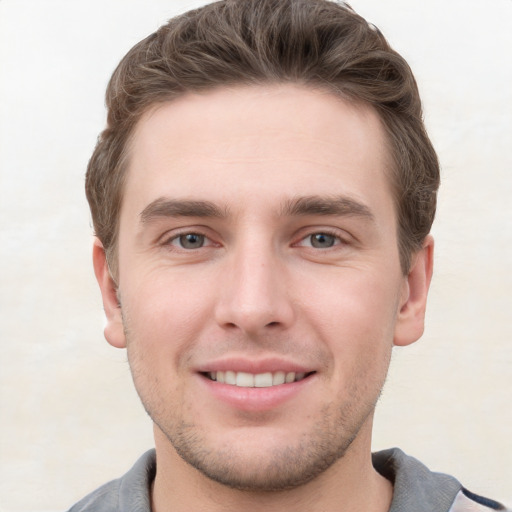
(254, 366)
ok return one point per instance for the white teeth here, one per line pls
(245, 380)
(278, 378)
(259, 380)
(230, 378)
(263, 380)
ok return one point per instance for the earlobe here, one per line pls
(114, 331)
(411, 316)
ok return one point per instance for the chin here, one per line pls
(255, 459)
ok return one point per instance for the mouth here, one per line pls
(256, 380)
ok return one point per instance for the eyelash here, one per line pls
(174, 241)
(338, 239)
(178, 236)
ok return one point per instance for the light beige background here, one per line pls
(70, 419)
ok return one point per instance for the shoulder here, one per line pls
(417, 488)
(132, 489)
(467, 501)
(103, 499)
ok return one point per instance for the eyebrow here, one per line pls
(300, 206)
(165, 207)
(326, 205)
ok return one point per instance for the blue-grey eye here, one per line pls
(322, 240)
(191, 241)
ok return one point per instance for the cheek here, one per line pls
(165, 317)
(354, 316)
(353, 300)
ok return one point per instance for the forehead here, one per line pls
(243, 143)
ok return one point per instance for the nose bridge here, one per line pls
(254, 295)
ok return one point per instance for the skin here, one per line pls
(269, 281)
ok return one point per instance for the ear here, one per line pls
(114, 331)
(411, 316)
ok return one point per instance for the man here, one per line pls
(262, 198)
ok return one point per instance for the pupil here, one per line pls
(322, 240)
(191, 241)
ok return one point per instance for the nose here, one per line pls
(254, 295)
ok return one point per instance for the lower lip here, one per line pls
(255, 399)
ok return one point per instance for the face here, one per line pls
(259, 280)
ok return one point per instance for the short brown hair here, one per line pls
(316, 43)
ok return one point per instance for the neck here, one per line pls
(349, 484)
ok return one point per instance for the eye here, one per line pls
(328, 239)
(322, 240)
(189, 241)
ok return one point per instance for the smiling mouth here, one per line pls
(258, 380)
